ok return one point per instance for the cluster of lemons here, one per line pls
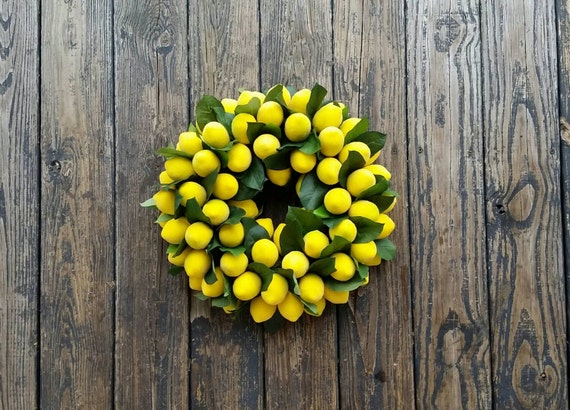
(210, 203)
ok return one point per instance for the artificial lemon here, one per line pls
(198, 235)
(247, 286)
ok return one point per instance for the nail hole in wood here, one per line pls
(500, 208)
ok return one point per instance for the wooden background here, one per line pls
(471, 314)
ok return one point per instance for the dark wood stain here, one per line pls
(472, 313)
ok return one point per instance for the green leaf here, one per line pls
(254, 130)
(318, 93)
(177, 200)
(168, 152)
(264, 272)
(238, 250)
(312, 191)
(383, 201)
(175, 270)
(291, 238)
(245, 193)
(322, 212)
(345, 112)
(374, 139)
(311, 307)
(201, 296)
(179, 248)
(235, 215)
(353, 162)
(253, 233)
(209, 181)
(351, 284)
(224, 118)
(323, 267)
(211, 277)
(221, 302)
(250, 108)
(362, 271)
(275, 323)
(276, 94)
(311, 145)
(163, 218)
(359, 128)
(194, 212)
(334, 221)
(385, 249)
(306, 219)
(149, 203)
(338, 244)
(378, 188)
(172, 248)
(367, 230)
(192, 128)
(205, 110)
(279, 160)
(254, 177)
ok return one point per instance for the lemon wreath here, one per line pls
(211, 203)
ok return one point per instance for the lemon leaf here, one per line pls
(378, 188)
(201, 296)
(236, 214)
(276, 94)
(149, 203)
(353, 162)
(311, 145)
(338, 244)
(208, 182)
(360, 128)
(306, 219)
(254, 177)
(382, 201)
(192, 128)
(312, 191)
(193, 212)
(275, 323)
(224, 118)
(245, 192)
(169, 152)
(221, 301)
(205, 110)
(367, 230)
(279, 160)
(318, 93)
(311, 307)
(179, 248)
(263, 271)
(175, 270)
(253, 233)
(323, 267)
(291, 238)
(210, 277)
(250, 108)
(374, 139)
(385, 249)
(351, 284)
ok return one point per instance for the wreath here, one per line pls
(240, 157)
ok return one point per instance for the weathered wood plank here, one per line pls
(76, 205)
(523, 205)
(301, 358)
(227, 354)
(151, 109)
(447, 220)
(19, 201)
(375, 340)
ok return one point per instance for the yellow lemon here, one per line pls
(284, 92)
(179, 168)
(301, 162)
(267, 224)
(328, 169)
(164, 178)
(248, 205)
(345, 228)
(277, 236)
(298, 185)
(364, 253)
(239, 126)
(344, 267)
(195, 282)
(336, 296)
(229, 105)
(189, 142)
(297, 127)
(348, 124)
(198, 235)
(291, 308)
(270, 112)
(388, 227)
(261, 311)
(265, 251)
(197, 263)
(247, 286)
(332, 141)
(314, 243)
(356, 146)
(378, 169)
(279, 177)
(239, 158)
(312, 288)
(359, 181)
(246, 96)
(205, 162)
(165, 201)
(179, 260)
(321, 304)
(265, 145)
(215, 135)
(173, 230)
(191, 189)
(215, 289)
(329, 115)
(337, 201)
(299, 101)
(233, 265)
(373, 158)
(296, 261)
(217, 210)
(226, 186)
(276, 291)
(365, 209)
(231, 235)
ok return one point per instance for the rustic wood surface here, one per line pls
(471, 314)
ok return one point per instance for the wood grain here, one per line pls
(151, 109)
(301, 358)
(526, 272)
(19, 201)
(227, 353)
(375, 338)
(447, 220)
(76, 205)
